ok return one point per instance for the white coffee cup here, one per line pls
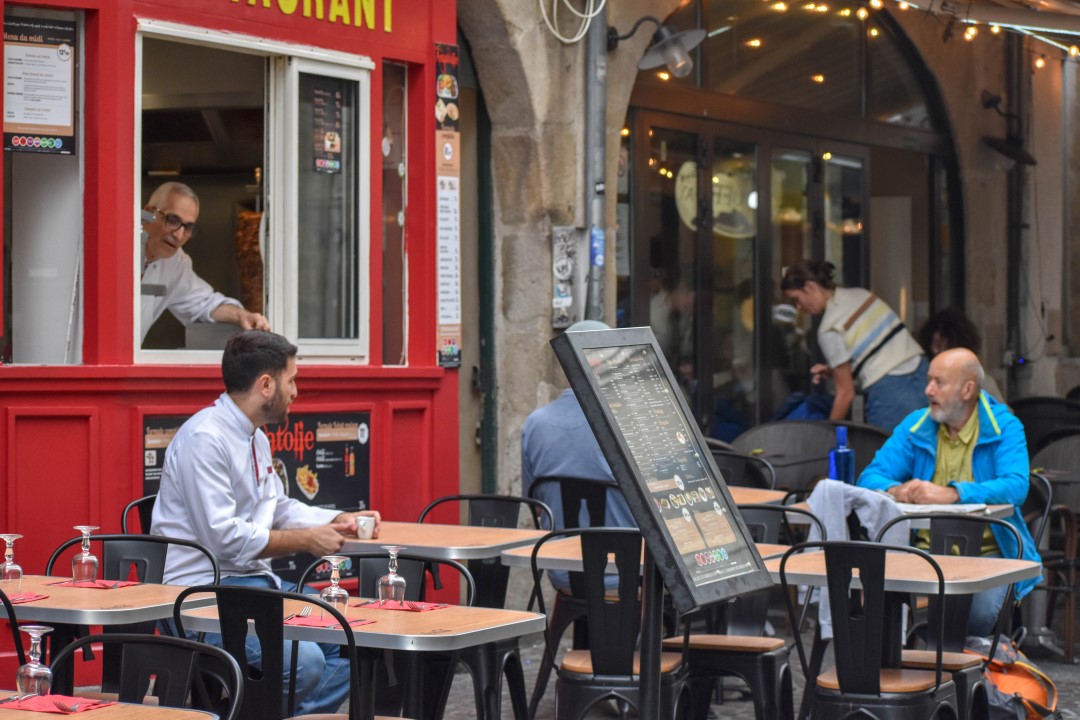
(365, 526)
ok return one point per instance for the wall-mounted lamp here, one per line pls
(1012, 145)
(670, 47)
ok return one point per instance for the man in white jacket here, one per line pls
(174, 208)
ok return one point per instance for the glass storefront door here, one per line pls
(716, 215)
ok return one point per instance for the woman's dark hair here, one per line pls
(252, 353)
(954, 327)
(803, 271)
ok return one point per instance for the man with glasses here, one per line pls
(168, 223)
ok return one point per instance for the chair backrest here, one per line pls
(798, 450)
(864, 440)
(120, 553)
(490, 575)
(1061, 457)
(613, 626)
(858, 615)
(186, 673)
(1073, 394)
(145, 510)
(742, 470)
(13, 625)
(264, 607)
(574, 493)
(1041, 415)
(958, 534)
(1036, 508)
(369, 566)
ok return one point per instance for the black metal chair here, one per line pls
(798, 450)
(13, 625)
(428, 675)
(1060, 561)
(608, 669)
(858, 684)
(185, 673)
(957, 534)
(735, 645)
(240, 608)
(120, 556)
(144, 507)
(1043, 415)
(741, 470)
(488, 663)
(577, 496)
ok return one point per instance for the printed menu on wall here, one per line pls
(158, 432)
(657, 453)
(39, 85)
(448, 201)
(326, 105)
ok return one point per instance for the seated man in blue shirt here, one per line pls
(556, 441)
(966, 447)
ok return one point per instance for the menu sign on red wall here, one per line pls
(39, 85)
(326, 105)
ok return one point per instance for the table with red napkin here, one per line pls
(407, 605)
(25, 598)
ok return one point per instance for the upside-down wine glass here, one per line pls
(334, 594)
(84, 566)
(10, 573)
(392, 586)
(33, 678)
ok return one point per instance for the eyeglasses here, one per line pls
(174, 223)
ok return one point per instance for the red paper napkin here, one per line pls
(407, 605)
(47, 704)
(326, 622)
(97, 584)
(25, 598)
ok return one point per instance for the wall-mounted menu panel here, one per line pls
(662, 464)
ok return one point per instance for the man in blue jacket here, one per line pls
(968, 448)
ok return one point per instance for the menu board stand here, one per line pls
(696, 543)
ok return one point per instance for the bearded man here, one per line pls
(965, 448)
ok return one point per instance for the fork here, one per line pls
(64, 707)
(306, 611)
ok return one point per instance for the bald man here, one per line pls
(966, 447)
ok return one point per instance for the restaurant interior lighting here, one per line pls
(669, 46)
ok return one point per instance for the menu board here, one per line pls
(326, 104)
(660, 459)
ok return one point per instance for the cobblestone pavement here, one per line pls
(462, 707)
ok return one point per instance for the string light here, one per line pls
(876, 4)
(809, 6)
(819, 78)
(862, 13)
(846, 12)
(995, 29)
(873, 32)
(826, 156)
(970, 33)
(822, 8)
(754, 42)
(779, 7)
(664, 75)
(625, 132)
(1040, 62)
(1074, 51)
(904, 5)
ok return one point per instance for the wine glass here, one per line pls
(10, 573)
(33, 678)
(334, 594)
(84, 566)
(392, 586)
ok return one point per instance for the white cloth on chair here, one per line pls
(832, 501)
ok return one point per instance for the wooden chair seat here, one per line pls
(892, 680)
(950, 661)
(579, 661)
(727, 643)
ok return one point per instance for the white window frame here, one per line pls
(281, 183)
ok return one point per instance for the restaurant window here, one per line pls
(43, 189)
(275, 149)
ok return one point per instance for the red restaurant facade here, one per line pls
(343, 203)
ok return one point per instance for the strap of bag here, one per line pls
(862, 308)
(889, 336)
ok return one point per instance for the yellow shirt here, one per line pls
(953, 464)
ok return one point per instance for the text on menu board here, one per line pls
(39, 85)
(327, 95)
(684, 495)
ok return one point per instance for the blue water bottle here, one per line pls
(842, 458)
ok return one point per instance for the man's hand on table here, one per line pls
(924, 492)
(349, 521)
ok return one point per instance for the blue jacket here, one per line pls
(999, 464)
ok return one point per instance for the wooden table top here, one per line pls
(450, 628)
(120, 711)
(89, 606)
(565, 554)
(446, 542)
(909, 573)
(756, 496)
